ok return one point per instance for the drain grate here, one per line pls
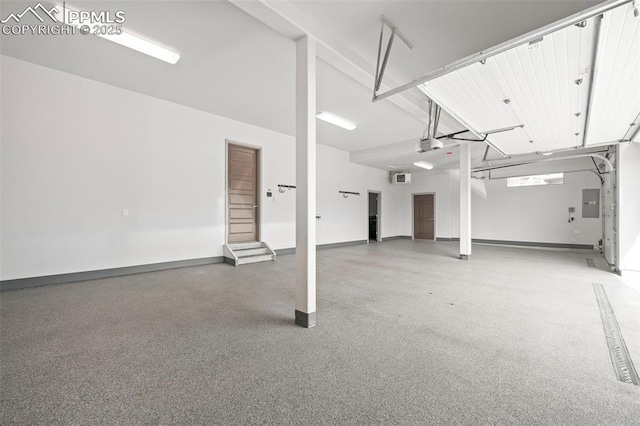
(622, 363)
(590, 262)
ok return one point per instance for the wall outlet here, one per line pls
(125, 212)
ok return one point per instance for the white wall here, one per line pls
(439, 183)
(628, 165)
(75, 153)
(347, 219)
(532, 214)
(536, 213)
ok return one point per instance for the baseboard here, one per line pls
(338, 245)
(523, 243)
(104, 273)
(292, 250)
(280, 252)
(534, 244)
(397, 237)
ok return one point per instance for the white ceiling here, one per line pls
(441, 31)
(236, 66)
(378, 123)
(230, 64)
(401, 155)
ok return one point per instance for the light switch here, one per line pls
(125, 212)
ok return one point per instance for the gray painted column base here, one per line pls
(464, 257)
(305, 320)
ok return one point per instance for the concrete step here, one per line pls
(251, 252)
(255, 259)
(242, 253)
(244, 246)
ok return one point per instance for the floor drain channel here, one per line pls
(590, 263)
(620, 358)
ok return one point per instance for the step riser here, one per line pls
(255, 259)
(244, 246)
(251, 252)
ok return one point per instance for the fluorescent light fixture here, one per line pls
(547, 153)
(335, 120)
(423, 165)
(143, 46)
(126, 39)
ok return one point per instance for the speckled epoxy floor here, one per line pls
(407, 334)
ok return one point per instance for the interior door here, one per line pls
(423, 217)
(242, 213)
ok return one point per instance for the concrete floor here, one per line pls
(407, 334)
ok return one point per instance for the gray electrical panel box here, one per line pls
(591, 203)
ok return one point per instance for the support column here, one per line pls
(465, 201)
(305, 182)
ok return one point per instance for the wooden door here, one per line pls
(242, 213)
(423, 218)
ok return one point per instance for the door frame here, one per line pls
(379, 220)
(413, 201)
(258, 186)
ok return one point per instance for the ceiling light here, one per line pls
(143, 46)
(547, 153)
(423, 165)
(126, 39)
(335, 120)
